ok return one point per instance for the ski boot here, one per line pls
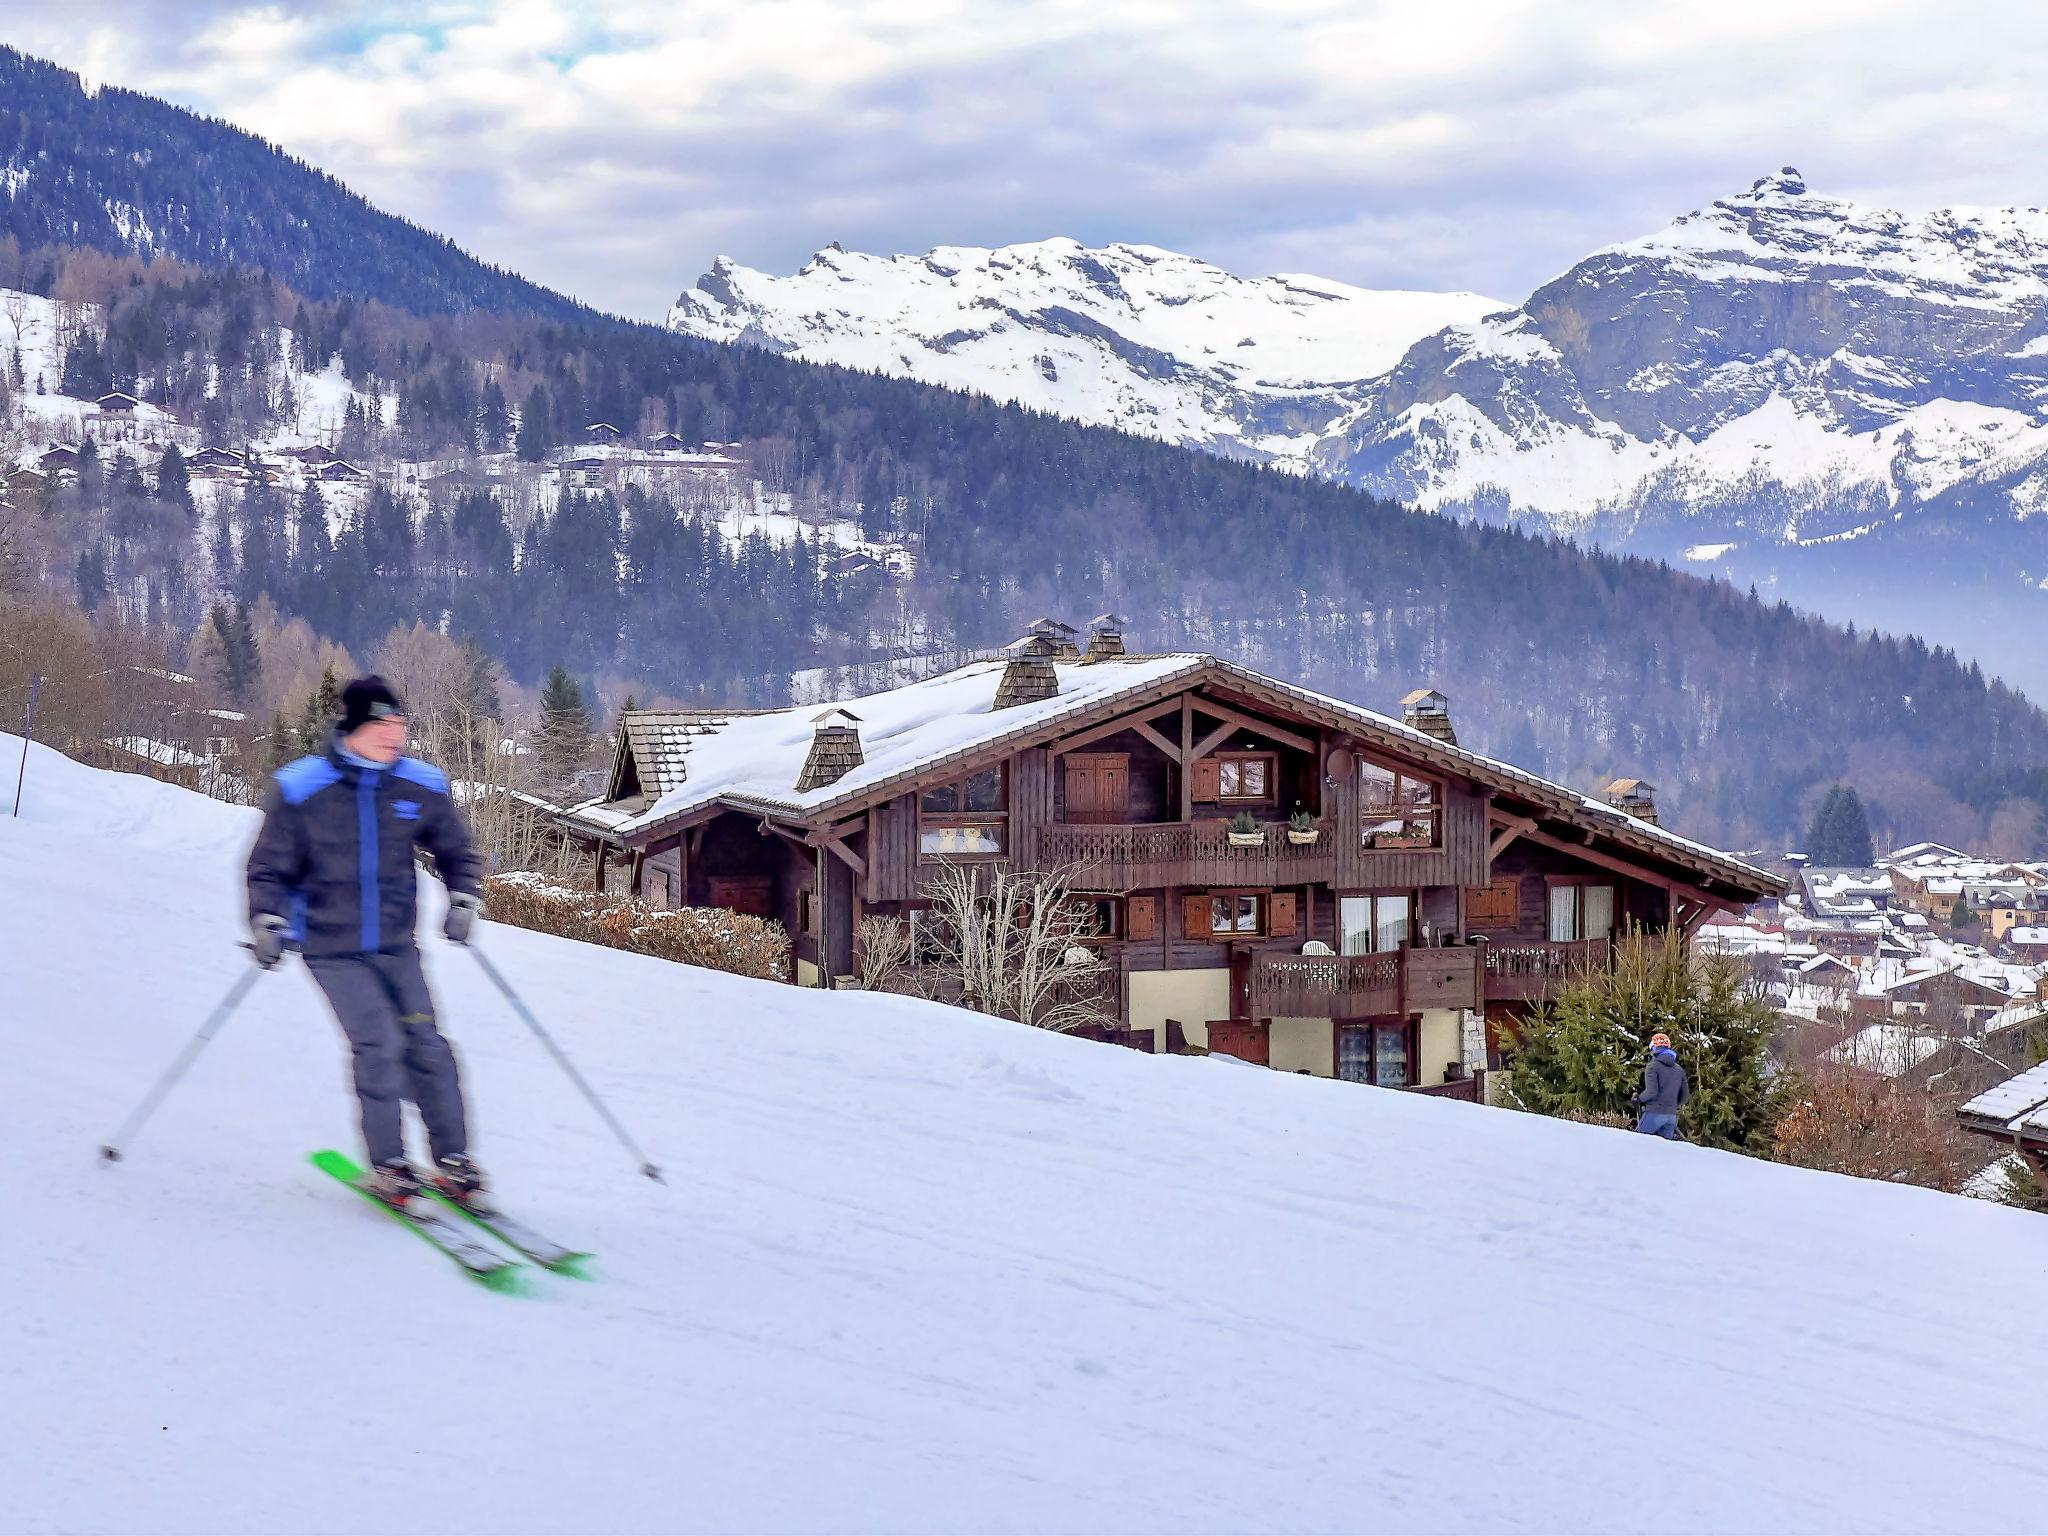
(459, 1180)
(395, 1184)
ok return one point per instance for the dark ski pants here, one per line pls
(1659, 1125)
(383, 1006)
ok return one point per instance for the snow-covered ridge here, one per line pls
(1845, 403)
(947, 1237)
(1129, 335)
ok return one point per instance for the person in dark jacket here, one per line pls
(1664, 1090)
(332, 874)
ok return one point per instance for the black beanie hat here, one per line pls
(367, 699)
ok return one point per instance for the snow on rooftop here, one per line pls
(1886, 1049)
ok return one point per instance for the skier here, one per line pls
(332, 873)
(1664, 1090)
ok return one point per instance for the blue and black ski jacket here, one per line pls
(335, 856)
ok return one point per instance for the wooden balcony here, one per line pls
(1126, 856)
(1391, 982)
(1529, 970)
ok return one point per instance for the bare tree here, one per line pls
(882, 954)
(1010, 942)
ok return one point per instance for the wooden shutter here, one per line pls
(1208, 780)
(1497, 905)
(1098, 786)
(1141, 917)
(1194, 916)
(1280, 917)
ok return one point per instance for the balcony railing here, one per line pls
(1363, 986)
(1529, 969)
(1134, 856)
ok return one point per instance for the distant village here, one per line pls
(1930, 963)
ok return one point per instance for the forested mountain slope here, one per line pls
(1583, 666)
(120, 171)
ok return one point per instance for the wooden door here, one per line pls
(751, 894)
(1098, 786)
(1246, 1039)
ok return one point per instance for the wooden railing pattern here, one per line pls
(1532, 968)
(1325, 986)
(1137, 855)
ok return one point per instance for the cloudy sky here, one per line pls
(612, 150)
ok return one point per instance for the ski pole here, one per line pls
(110, 1152)
(548, 1040)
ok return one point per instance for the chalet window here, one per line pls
(1097, 918)
(1246, 775)
(1237, 916)
(1367, 925)
(965, 818)
(1233, 914)
(1380, 1054)
(1397, 809)
(1580, 912)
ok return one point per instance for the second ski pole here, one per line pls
(111, 1151)
(548, 1040)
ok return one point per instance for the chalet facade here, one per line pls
(1272, 873)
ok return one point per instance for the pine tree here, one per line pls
(535, 437)
(173, 480)
(1839, 834)
(564, 735)
(494, 421)
(1584, 1050)
(240, 661)
(1961, 918)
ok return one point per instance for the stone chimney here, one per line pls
(1030, 676)
(835, 750)
(1066, 640)
(1105, 636)
(1636, 797)
(1429, 712)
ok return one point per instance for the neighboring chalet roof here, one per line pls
(751, 762)
(2027, 936)
(117, 400)
(2017, 1107)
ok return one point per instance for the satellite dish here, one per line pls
(1337, 762)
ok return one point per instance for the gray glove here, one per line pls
(267, 940)
(463, 910)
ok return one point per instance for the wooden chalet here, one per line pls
(1421, 892)
(601, 432)
(340, 472)
(2015, 1114)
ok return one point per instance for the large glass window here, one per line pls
(1379, 1054)
(965, 818)
(1581, 912)
(1396, 809)
(1369, 924)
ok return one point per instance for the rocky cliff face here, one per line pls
(1841, 404)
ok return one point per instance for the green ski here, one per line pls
(482, 1263)
(544, 1251)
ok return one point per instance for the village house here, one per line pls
(1395, 896)
(601, 432)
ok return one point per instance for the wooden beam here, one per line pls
(1677, 888)
(1279, 733)
(1145, 730)
(1131, 720)
(852, 860)
(1212, 741)
(1187, 757)
(768, 826)
(1512, 828)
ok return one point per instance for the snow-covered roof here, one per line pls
(2017, 1104)
(1886, 1049)
(2028, 936)
(753, 760)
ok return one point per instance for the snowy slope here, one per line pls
(916, 1270)
(1129, 335)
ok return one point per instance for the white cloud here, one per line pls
(612, 150)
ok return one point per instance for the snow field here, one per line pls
(914, 1270)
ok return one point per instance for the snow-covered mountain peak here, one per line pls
(1133, 335)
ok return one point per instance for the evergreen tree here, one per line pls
(173, 480)
(1961, 918)
(535, 435)
(493, 420)
(1839, 834)
(564, 735)
(240, 663)
(1584, 1050)
(92, 578)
